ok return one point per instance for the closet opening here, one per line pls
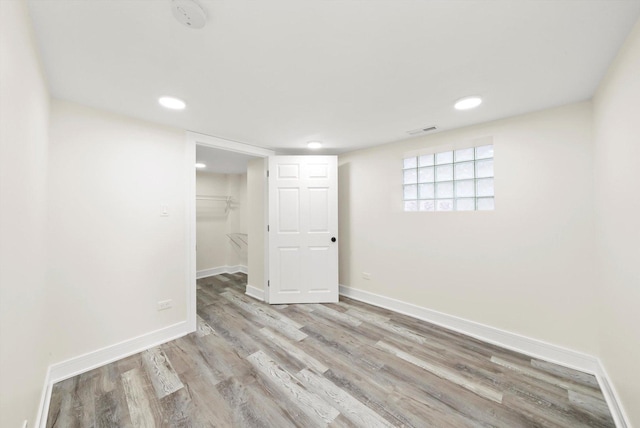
(222, 239)
(227, 220)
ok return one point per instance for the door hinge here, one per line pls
(267, 228)
(268, 283)
(267, 173)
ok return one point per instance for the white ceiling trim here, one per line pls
(232, 146)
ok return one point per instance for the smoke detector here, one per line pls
(188, 13)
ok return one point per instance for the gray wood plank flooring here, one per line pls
(348, 364)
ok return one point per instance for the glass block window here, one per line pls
(457, 180)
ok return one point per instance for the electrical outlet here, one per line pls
(164, 210)
(366, 275)
(164, 304)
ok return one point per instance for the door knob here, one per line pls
(333, 239)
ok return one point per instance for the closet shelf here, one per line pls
(212, 198)
(228, 201)
(240, 240)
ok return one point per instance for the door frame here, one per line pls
(193, 139)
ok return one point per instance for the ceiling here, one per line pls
(279, 73)
(222, 161)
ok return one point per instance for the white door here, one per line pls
(303, 229)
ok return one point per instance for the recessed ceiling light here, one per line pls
(200, 165)
(172, 103)
(314, 145)
(467, 103)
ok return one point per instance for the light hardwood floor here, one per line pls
(347, 364)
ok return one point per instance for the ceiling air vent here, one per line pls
(422, 130)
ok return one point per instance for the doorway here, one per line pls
(221, 211)
(227, 218)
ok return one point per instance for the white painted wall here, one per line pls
(24, 115)
(617, 198)
(214, 248)
(526, 267)
(236, 221)
(112, 256)
(256, 209)
(211, 222)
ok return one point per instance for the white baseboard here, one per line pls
(211, 272)
(221, 269)
(611, 395)
(238, 268)
(45, 399)
(91, 360)
(505, 339)
(516, 342)
(255, 292)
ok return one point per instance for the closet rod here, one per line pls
(213, 198)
